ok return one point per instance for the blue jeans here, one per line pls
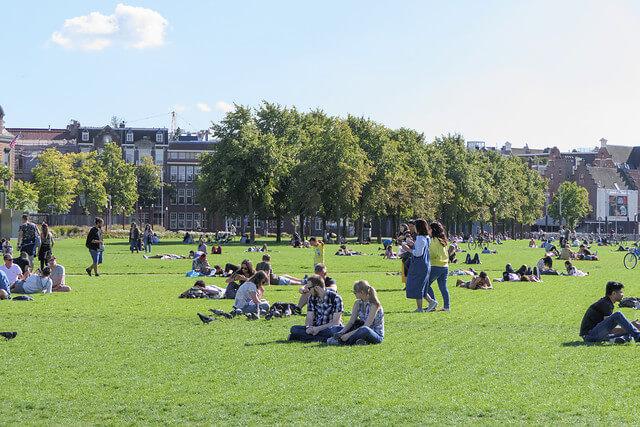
(251, 307)
(365, 333)
(96, 256)
(440, 274)
(299, 333)
(602, 331)
(147, 245)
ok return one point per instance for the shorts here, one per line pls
(96, 256)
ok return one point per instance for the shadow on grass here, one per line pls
(578, 344)
(254, 344)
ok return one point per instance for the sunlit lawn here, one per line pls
(122, 348)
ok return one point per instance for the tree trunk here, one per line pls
(252, 219)
(379, 230)
(361, 231)
(344, 227)
(324, 227)
(301, 219)
(278, 228)
(493, 223)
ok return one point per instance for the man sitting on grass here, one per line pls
(601, 324)
(329, 283)
(13, 271)
(57, 276)
(324, 313)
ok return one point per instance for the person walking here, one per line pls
(28, 236)
(95, 245)
(419, 266)
(134, 238)
(147, 236)
(439, 256)
(46, 246)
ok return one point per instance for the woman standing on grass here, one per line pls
(419, 266)
(439, 256)
(147, 235)
(46, 246)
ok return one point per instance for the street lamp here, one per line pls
(166, 210)
(204, 219)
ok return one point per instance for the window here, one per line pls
(172, 196)
(189, 223)
(189, 173)
(181, 220)
(173, 155)
(129, 136)
(159, 137)
(189, 196)
(174, 173)
(20, 163)
(173, 223)
(181, 173)
(195, 199)
(196, 171)
(181, 196)
(159, 157)
(143, 152)
(128, 155)
(197, 220)
(85, 136)
(106, 139)
(182, 155)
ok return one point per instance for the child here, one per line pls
(366, 325)
(318, 248)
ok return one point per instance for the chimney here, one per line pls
(603, 142)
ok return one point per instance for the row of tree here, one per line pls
(91, 178)
(275, 162)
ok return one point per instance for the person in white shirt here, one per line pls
(36, 283)
(57, 276)
(13, 271)
(248, 296)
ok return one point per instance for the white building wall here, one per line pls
(613, 204)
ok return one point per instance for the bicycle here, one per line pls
(630, 259)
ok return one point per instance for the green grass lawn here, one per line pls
(122, 348)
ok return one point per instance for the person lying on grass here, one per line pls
(532, 243)
(601, 324)
(366, 325)
(329, 283)
(274, 279)
(481, 281)
(167, 256)
(249, 294)
(487, 251)
(573, 271)
(545, 266)
(35, 283)
(344, 251)
(523, 274)
(585, 254)
(324, 313)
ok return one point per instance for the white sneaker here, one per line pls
(432, 306)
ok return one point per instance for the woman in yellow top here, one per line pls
(438, 251)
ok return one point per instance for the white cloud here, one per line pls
(224, 106)
(179, 108)
(128, 26)
(204, 107)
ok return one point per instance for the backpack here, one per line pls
(630, 302)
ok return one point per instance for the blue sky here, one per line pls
(538, 72)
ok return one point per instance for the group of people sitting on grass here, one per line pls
(319, 293)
